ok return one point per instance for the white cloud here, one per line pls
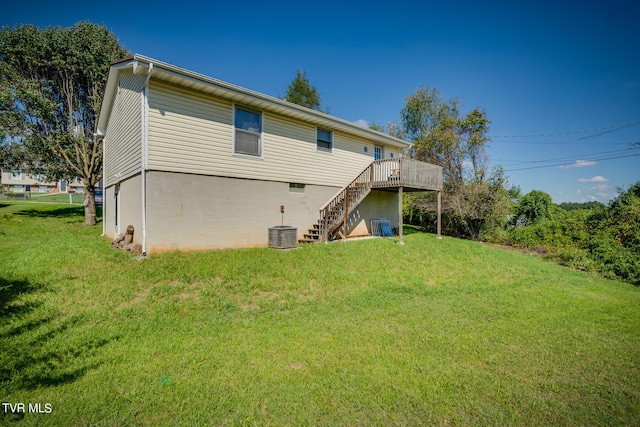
(599, 187)
(579, 164)
(596, 178)
(362, 122)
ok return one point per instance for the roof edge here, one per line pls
(161, 66)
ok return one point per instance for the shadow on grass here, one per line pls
(44, 212)
(408, 229)
(10, 290)
(38, 349)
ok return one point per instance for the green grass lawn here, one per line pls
(433, 332)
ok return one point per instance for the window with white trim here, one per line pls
(325, 140)
(248, 132)
(377, 152)
(17, 174)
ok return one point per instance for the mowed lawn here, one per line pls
(433, 332)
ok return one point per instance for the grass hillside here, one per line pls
(433, 332)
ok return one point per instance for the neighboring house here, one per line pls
(196, 163)
(22, 181)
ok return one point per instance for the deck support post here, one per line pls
(439, 226)
(400, 215)
(346, 211)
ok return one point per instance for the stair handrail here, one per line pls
(325, 228)
(346, 186)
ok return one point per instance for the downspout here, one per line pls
(104, 199)
(145, 156)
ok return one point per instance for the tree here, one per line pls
(391, 129)
(302, 93)
(51, 86)
(443, 136)
(533, 207)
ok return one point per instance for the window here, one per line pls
(377, 152)
(325, 140)
(248, 135)
(17, 174)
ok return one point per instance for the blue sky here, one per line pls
(560, 81)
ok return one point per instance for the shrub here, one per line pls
(533, 207)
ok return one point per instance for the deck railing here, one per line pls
(336, 211)
(406, 173)
(386, 173)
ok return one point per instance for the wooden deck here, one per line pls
(411, 174)
(399, 175)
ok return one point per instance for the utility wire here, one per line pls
(560, 143)
(570, 163)
(573, 156)
(601, 130)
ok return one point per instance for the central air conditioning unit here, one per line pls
(283, 237)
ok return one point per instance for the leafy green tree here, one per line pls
(624, 217)
(51, 87)
(533, 207)
(390, 129)
(301, 92)
(514, 193)
(443, 136)
(572, 206)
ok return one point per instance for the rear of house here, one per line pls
(196, 163)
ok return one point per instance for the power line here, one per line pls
(560, 143)
(570, 163)
(601, 130)
(573, 156)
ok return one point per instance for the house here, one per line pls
(193, 163)
(23, 181)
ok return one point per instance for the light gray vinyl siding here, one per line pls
(193, 133)
(187, 133)
(123, 139)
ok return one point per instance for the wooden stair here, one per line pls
(408, 174)
(313, 236)
(335, 213)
